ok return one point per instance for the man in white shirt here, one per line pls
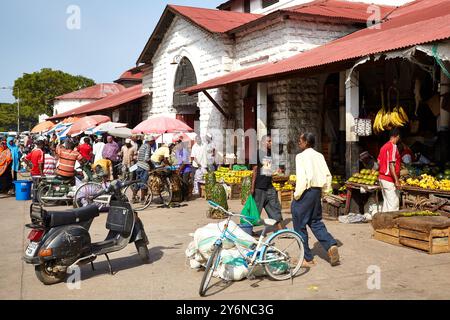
(313, 179)
(210, 152)
(199, 163)
(97, 149)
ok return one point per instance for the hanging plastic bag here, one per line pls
(251, 212)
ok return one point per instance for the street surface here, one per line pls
(405, 273)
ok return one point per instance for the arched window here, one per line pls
(184, 78)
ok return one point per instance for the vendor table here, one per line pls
(425, 198)
(362, 188)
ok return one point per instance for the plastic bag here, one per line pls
(251, 212)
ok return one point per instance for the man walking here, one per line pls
(143, 167)
(390, 166)
(313, 179)
(262, 189)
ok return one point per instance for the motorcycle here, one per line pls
(60, 240)
(53, 189)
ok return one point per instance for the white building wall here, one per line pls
(61, 106)
(211, 56)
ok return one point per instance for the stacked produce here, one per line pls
(426, 181)
(365, 176)
(426, 213)
(286, 186)
(210, 182)
(219, 196)
(246, 189)
(228, 176)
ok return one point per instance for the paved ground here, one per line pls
(405, 274)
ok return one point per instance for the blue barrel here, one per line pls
(23, 190)
(248, 228)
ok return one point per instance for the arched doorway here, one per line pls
(185, 105)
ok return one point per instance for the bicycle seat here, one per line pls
(62, 218)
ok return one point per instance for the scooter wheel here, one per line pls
(48, 278)
(142, 250)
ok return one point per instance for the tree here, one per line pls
(38, 89)
(8, 117)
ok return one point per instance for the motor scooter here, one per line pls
(60, 240)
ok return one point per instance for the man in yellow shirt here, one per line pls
(106, 166)
(162, 156)
(313, 179)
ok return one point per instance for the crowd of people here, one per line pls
(42, 155)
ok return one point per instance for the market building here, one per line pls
(194, 45)
(125, 105)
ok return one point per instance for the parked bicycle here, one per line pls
(281, 254)
(159, 189)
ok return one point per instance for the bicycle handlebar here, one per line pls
(217, 206)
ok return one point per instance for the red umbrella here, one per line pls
(162, 125)
(86, 123)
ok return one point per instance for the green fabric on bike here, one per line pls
(251, 212)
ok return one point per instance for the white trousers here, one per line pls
(391, 196)
(197, 178)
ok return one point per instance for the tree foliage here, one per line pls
(8, 117)
(37, 91)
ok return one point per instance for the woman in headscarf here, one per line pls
(5, 168)
(16, 155)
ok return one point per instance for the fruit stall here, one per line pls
(426, 191)
(359, 187)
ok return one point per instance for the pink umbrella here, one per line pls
(161, 125)
(86, 123)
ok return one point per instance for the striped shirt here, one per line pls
(49, 165)
(144, 154)
(67, 160)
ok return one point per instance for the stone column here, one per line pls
(261, 113)
(351, 112)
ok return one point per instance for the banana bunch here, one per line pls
(386, 119)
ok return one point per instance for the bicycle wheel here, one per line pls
(42, 192)
(138, 205)
(286, 247)
(166, 192)
(211, 266)
(81, 197)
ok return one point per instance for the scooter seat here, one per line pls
(62, 218)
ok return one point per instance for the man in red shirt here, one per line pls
(390, 165)
(85, 149)
(35, 159)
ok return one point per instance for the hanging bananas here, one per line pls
(387, 119)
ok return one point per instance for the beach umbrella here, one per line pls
(120, 132)
(43, 127)
(87, 123)
(161, 125)
(71, 120)
(105, 127)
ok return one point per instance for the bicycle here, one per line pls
(279, 264)
(158, 185)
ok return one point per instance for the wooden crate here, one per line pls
(433, 242)
(235, 191)
(285, 197)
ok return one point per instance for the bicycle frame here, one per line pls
(257, 252)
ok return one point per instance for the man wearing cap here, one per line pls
(128, 154)
(143, 167)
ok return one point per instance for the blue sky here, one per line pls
(112, 34)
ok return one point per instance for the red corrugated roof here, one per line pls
(127, 95)
(422, 22)
(216, 21)
(131, 74)
(354, 11)
(99, 91)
